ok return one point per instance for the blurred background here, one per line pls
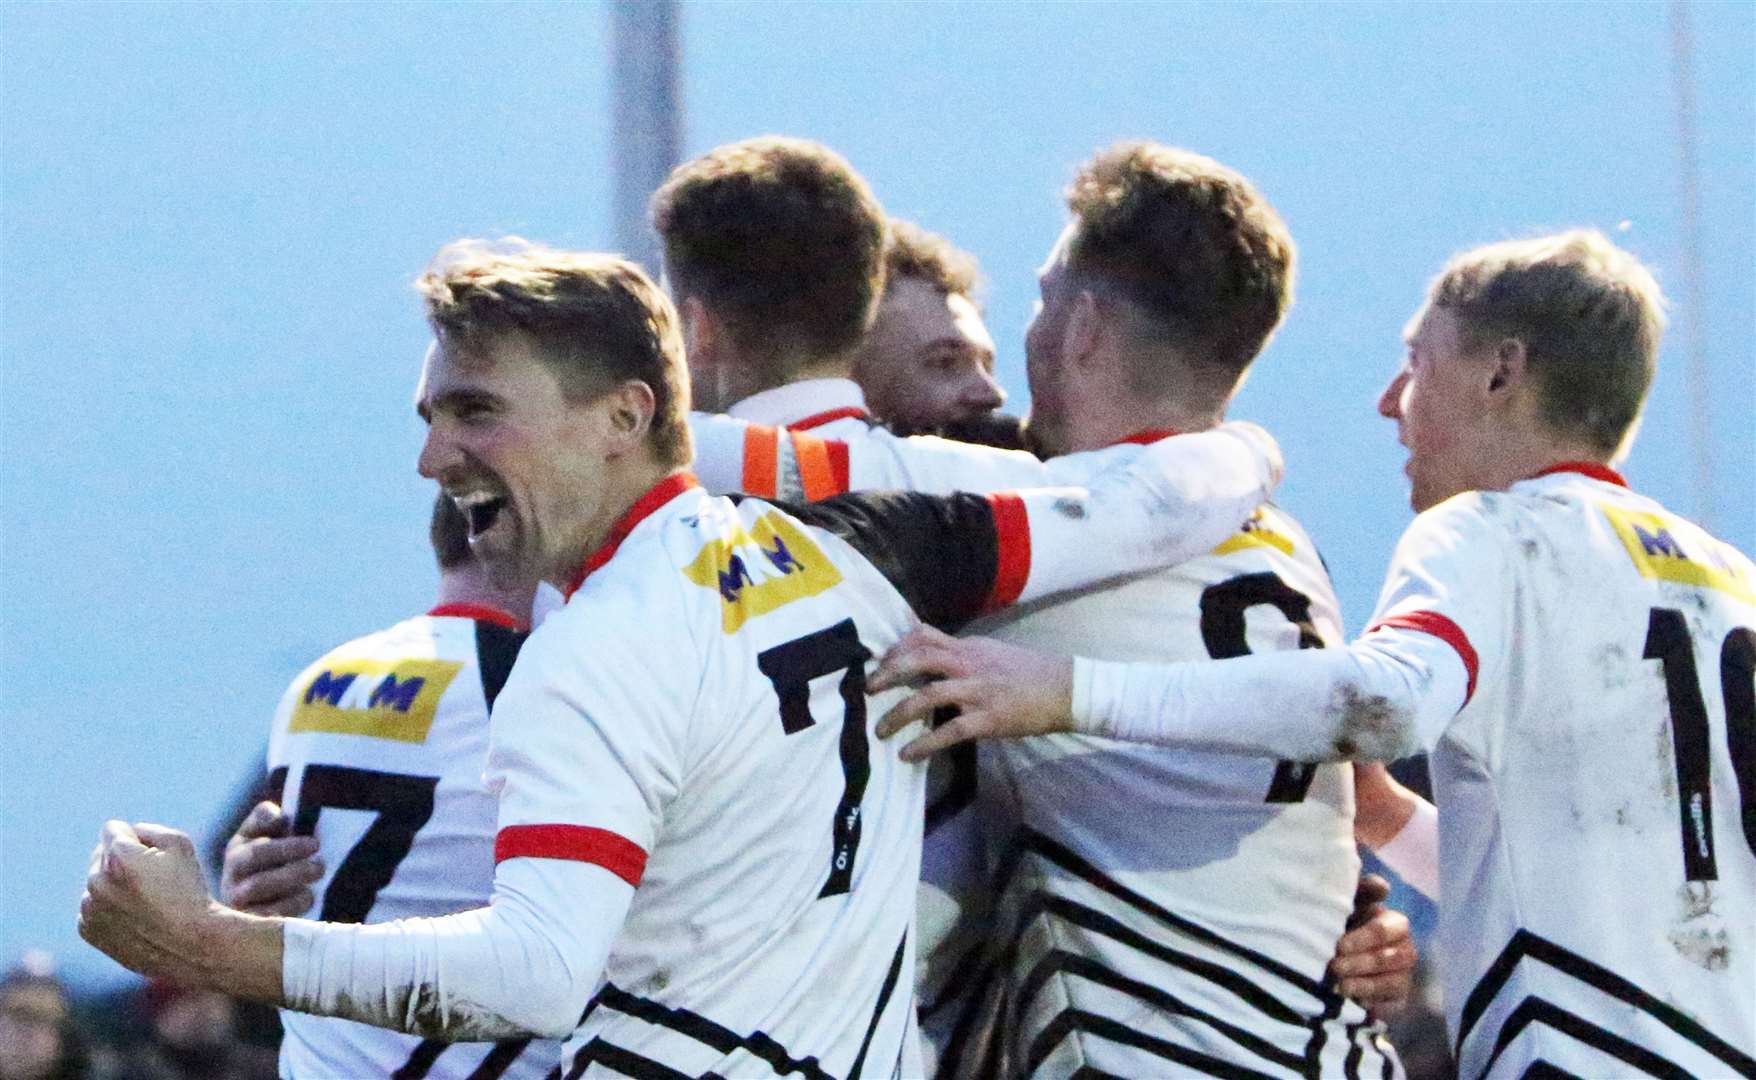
(211, 215)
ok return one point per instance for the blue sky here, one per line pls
(211, 214)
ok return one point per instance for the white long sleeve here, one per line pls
(525, 964)
(1387, 695)
(1177, 499)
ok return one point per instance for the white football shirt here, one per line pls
(377, 749)
(1163, 910)
(1596, 787)
(774, 845)
(1598, 790)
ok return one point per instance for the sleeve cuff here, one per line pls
(1413, 853)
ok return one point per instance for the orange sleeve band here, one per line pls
(761, 449)
(818, 466)
(1012, 539)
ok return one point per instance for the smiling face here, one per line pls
(1440, 402)
(522, 461)
(928, 360)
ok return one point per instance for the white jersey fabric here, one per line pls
(1297, 859)
(377, 749)
(1597, 789)
(1163, 911)
(692, 728)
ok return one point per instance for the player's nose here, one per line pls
(438, 456)
(982, 394)
(1390, 401)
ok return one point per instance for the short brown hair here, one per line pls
(598, 319)
(1189, 241)
(912, 252)
(1589, 314)
(781, 237)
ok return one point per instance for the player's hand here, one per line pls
(1374, 961)
(998, 690)
(146, 902)
(269, 871)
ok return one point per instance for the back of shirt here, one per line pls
(1163, 909)
(731, 772)
(1597, 793)
(377, 750)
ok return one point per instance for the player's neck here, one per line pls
(1520, 455)
(1105, 423)
(468, 585)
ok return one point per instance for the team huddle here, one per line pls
(755, 732)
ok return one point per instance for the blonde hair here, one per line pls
(598, 319)
(1590, 317)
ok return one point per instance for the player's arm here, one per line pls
(773, 463)
(568, 856)
(506, 970)
(1389, 693)
(955, 557)
(1398, 825)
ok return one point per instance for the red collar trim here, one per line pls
(1595, 470)
(829, 416)
(644, 507)
(478, 612)
(1146, 437)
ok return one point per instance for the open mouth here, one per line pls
(482, 508)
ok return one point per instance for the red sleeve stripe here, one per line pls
(761, 448)
(1012, 538)
(581, 843)
(1431, 622)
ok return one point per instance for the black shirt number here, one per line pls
(1222, 631)
(791, 667)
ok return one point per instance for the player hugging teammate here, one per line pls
(681, 845)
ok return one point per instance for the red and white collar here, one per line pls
(644, 507)
(477, 612)
(802, 405)
(1145, 437)
(1597, 470)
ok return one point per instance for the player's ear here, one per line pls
(701, 331)
(1084, 329)
(1508, 368)
(628, 410)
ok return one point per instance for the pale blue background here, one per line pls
(211, 216)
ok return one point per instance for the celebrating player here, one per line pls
(395, 724)
(927, 363)
(1108, 380)
(693, 720)
(1577, 658)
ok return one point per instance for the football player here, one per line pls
(393, 726)
(1110, 379)
(1577, 659)
(693, 720)
(927, 362)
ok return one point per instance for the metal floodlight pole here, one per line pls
(647, 136)
(1694, 272)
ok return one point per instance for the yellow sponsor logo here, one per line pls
(1652, 542)
(381, 699)
(757, 570)
(1256, 533)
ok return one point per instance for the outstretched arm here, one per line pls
(958, 556)
(495, 972)
(1376, 700)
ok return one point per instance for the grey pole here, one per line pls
(648, 117)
